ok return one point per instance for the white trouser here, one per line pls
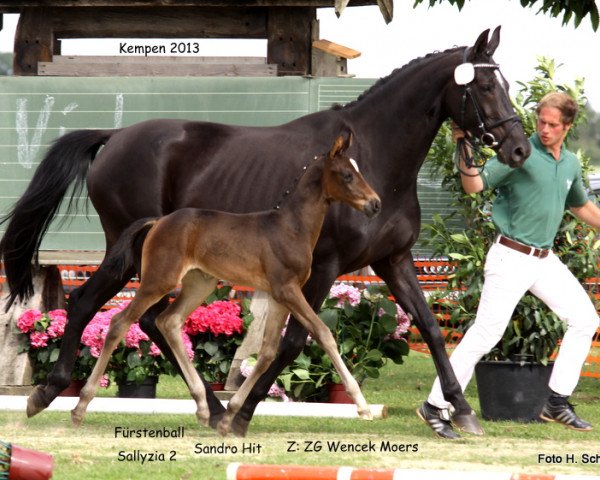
(508, 276)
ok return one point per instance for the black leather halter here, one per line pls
(485, 137)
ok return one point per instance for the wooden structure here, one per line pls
(289, 26)
(330, 59)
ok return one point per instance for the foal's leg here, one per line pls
(315, 290)
(196, 286)
(119, 325)
(274, 322)
(309, 319)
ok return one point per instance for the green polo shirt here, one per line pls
(531, 200)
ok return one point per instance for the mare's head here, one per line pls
(344, 183)
(479, 103)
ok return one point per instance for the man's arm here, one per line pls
(588, 213)
(469, 176)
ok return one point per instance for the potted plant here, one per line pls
(216, 329)
(136, 363)
(534, 331)
(369, 329)
(41, 337)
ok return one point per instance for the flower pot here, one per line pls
(73, 390)
(337, 393)
(28, 464)
(146, 389)
(511, 390)
(217, 386)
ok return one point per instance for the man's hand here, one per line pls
(457, 132)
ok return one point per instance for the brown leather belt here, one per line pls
(519, 247)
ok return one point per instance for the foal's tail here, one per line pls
(126, 253)
(66, 163)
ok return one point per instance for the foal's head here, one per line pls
(343, 182)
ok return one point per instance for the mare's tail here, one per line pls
(66, 163)
(126, 253)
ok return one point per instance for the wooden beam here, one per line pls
(34, 41)
(70, 59)
(335, 49)
(10, 6)
(124, 66)
(289, 35)
(159, 22)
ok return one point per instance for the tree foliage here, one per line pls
(575, 10)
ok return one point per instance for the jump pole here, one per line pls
(238, 471)
(174, 406)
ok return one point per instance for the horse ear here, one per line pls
(494, 42)
(480, 46)
(348, 142)
(337, 147)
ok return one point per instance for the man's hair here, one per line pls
(563, 102)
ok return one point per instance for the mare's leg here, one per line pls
(196, 286)
(119, 325)
(84, 302)
(400, 277)
(315, 290)
(293, 298)
(277, 314)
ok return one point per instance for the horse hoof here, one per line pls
(239, 427)
(365, 414)
(76, 419)
(223, 428)
(467, 423)
(36, 401)
(214, 420)
(204, 420)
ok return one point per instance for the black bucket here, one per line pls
(146, 389)
(512, 390)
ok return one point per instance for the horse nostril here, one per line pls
(374, 207)
(519, 155)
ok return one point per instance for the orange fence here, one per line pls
(432, 275)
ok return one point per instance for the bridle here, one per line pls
(486, 139)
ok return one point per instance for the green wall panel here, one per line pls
(35, 110)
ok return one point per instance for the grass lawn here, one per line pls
(93, 452)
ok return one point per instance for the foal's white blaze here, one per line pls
(354, 164)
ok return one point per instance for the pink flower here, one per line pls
(134, 336)
(38, 339)
(94, 334)
(104, 381)
(58, 322)
(154, 350)
(403, 323)
(26, 321)
(187, 343)
(277, 391)
(345, 293)
(246, 368)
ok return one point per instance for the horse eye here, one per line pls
(487, 87)
(347, 177)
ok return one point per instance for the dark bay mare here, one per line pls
(195, 248)
(156, 167)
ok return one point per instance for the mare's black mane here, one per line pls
(396, 72)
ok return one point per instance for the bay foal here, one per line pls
(270, 251)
